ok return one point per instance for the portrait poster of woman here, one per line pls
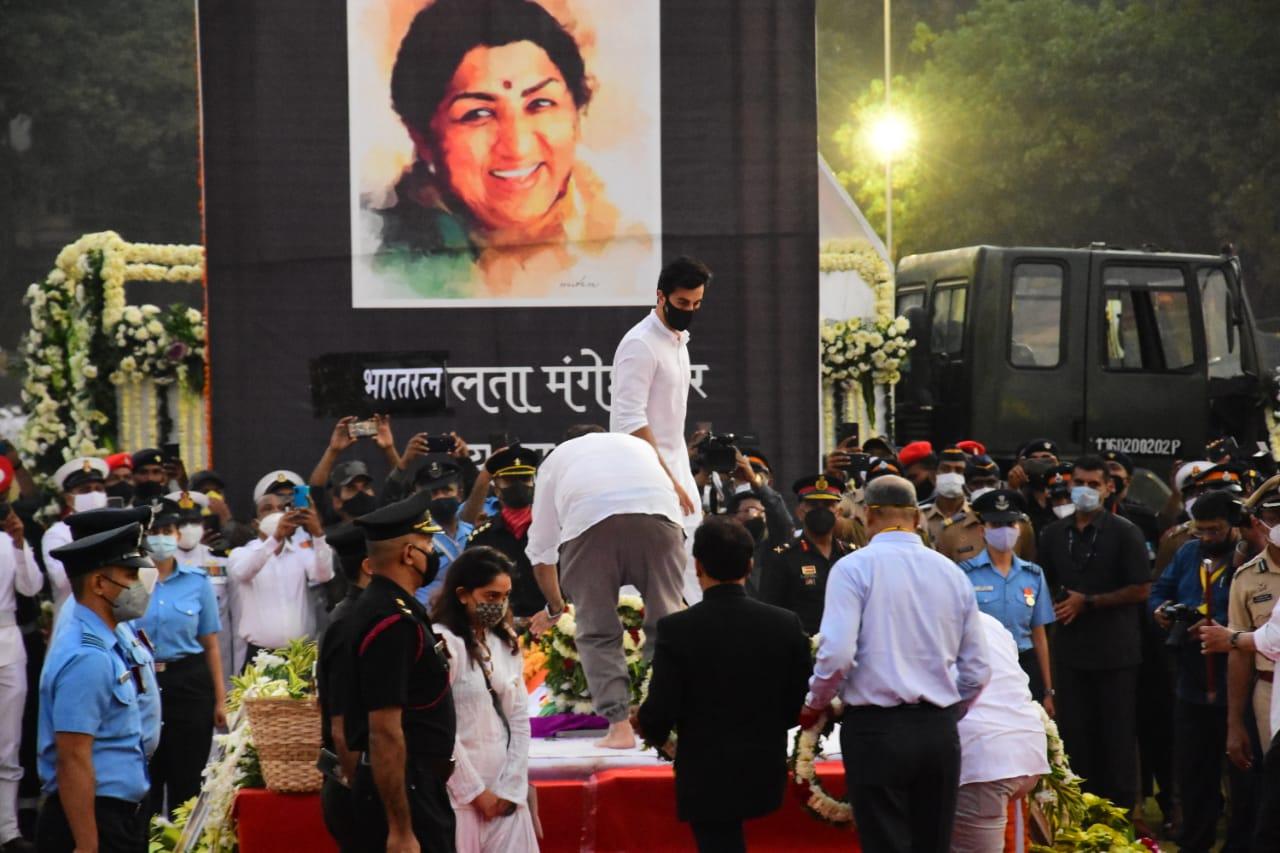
(504, 152)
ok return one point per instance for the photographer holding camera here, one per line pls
(1193, 590)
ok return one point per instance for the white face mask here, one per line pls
(950, 485)
(1065, 510)
(88, 501)
(268, 524)
(1273, 534)
(1188, 504)
(189, 536)
(977, 493)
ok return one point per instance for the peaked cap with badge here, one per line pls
(77, 472)
(514, 461)
(121, 546)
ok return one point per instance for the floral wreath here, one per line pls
(80, 323)
(567, 691)
(805, 756)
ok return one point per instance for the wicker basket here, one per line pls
(286, 733)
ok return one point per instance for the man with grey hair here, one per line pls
(903, 646)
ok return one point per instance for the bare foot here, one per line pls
(620, 736)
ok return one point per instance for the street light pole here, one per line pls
(888, 161)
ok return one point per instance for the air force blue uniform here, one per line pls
(89, 685)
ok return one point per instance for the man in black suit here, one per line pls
(729, 675)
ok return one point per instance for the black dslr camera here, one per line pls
(719, 451)
(1181, 617)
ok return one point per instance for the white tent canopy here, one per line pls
(843, 294)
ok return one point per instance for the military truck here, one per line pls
(1149, 352)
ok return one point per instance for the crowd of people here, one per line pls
(944, 593)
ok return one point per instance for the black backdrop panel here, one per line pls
(739, 188)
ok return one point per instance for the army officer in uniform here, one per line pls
(92, 765)
(399, 714)
(1013, 590)
(512, 473)
(795, 575)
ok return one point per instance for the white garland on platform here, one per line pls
(566, 683)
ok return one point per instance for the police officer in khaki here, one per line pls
(962, 535)
(1254, 592)
(949, 500)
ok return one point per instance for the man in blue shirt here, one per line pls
(92, 765)
(443, 480)
(902, 644)
(1013, 590)
(136, 643)
(1199, 577)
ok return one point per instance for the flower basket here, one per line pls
(287, 735)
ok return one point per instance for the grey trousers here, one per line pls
(982, 809)
(646, 551)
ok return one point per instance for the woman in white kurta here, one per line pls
(489, 788)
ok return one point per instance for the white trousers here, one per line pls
(690, 589)
(13, 697)
(512, 834)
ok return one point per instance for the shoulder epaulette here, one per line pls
(783, 548)
(480, 529)
(92, 640)
(1033, 568)
(1259, 562)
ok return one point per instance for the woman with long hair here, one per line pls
(490, 784)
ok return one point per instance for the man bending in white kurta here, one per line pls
(489, 787)
(651, 378)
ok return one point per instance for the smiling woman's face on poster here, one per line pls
(513, 172)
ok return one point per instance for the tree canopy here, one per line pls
(1060, 122)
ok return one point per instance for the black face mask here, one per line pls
(819, 521)
(444, 509)
(924, 489)
(756, 527)
(679, 319)
(1217, 549)
(121, 490)
(362, 503)
(516, 496)
(146, 493)
(433, 564)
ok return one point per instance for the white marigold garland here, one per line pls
(807, 752)
(62, 388)
(564, 664)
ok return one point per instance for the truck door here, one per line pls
(948, 374)
(1029, 367)
(1147, 385)
(1234, 389)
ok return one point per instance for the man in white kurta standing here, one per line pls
(651, 380)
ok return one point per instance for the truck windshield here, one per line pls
(1222, 339)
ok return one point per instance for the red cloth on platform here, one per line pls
(617, 810)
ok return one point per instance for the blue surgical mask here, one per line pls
(1086, 498)
(161, 546)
